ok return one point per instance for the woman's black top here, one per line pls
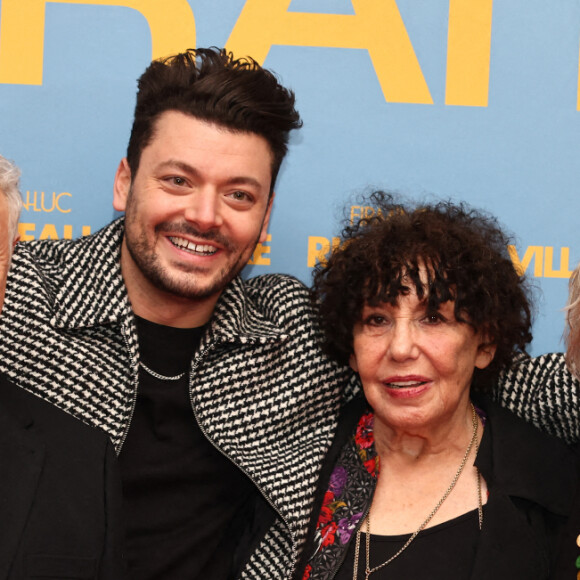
(439, 553)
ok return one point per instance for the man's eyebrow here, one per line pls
(191, 170)
(176, 164)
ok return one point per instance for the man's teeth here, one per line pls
(191, 247)
(405, 384)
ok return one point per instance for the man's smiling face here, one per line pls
(196, 207)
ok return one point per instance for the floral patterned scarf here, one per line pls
(346, 501)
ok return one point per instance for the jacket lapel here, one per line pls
(21, 458)
(505, 533)
(516, 473)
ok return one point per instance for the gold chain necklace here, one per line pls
(368, 569)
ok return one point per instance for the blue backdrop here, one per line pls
(470, 99)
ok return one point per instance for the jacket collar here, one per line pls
(515, 457)
(241, 316)
(93, 293)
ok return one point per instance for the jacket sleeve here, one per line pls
(544, 392)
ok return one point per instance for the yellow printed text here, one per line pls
(27, 232)
(319, 249)
(47, 202)
(375, 26)
(22, 26)
(358, 212)
(258, 257)
(543, 258)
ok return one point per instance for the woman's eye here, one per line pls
(375, 320)
(433, 318)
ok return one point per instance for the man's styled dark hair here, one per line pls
(442, 251)
(209, 84)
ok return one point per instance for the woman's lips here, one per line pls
(407, 387)
(406, 382)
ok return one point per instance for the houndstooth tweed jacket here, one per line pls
(258, 380)
(545, 393)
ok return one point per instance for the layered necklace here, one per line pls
(368, 570)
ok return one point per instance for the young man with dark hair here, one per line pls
(212, 86)
(213, 389)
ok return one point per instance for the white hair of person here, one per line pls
(572, 333)
(9, 183)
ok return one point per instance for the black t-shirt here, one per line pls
(181, 494)
(439, 553)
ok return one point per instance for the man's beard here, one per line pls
(184, 285)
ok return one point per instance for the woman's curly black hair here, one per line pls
(462, 252)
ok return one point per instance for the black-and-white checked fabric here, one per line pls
(272, 549)
(545, 393)
(261, 389)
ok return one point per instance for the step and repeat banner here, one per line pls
(473, 100)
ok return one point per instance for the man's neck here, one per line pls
(190, 315)
(161, 307)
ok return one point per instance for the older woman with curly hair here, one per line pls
(426, 477)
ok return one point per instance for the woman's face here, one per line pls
(416, 367)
